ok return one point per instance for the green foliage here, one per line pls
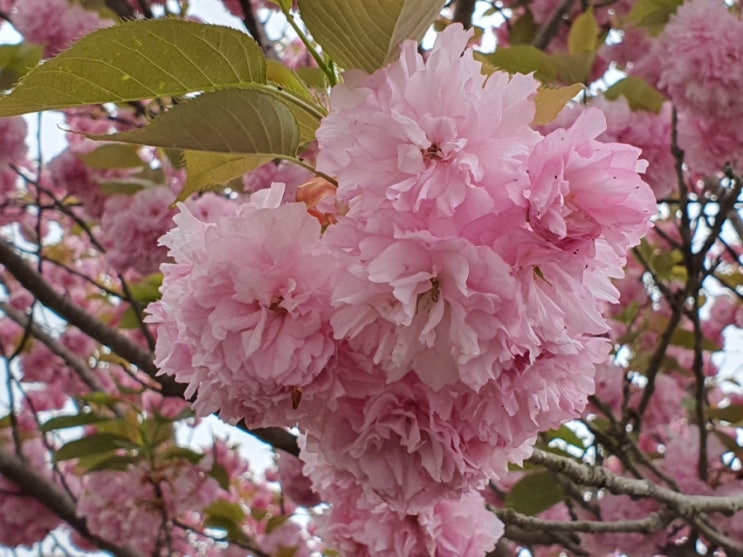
(523, 30)
(558, 68)
(227, 516)
(365, 34)
(232, 121)
(73, 420)
(639, 93)
(219, 473)
(565, 434)
(550, 102)
(113, 156)
(148, 289)
(140, 60)
(213, 169)
(685, 339)
(534, 493)
(584, 33)
(16, 60)
(733, 414)
(274, 522)
(522, 58)
(132, 183)
(653, 14)
(94, 444)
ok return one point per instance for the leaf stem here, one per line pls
(321, 62)
(309, 167)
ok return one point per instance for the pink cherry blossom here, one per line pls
(134, 507)
(244, 310)
(582, 189)
(415, 135)
(703, 59)
(131, 226)
(23, 519)
(461, 527)
(294, 483)
(55, 23)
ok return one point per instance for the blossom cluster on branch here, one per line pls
(470, 319)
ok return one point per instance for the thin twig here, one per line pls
(648, 525)
(55, 499)
(81, 368)
(551, 27)
(463, 10)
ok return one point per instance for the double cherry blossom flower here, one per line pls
(423, 337)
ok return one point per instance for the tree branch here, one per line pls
(35, 283)
(652, 523)
(463, 10)
(256, 29)
(277, 437)
(121, 8)
(81, 368)
(551, 27)
(686, 506)
(54, 498)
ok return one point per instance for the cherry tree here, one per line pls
(471, 269)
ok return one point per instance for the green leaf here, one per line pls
(205, 170)
(663, 262)
(584, 33)
(155, 432)
(274, 522)
(129, 320)
(522, 59)
(76, 420)
(287, 79)
(91, 445)
(684, 338)
(729, 442)
(534, 493)
(101, 398)
(573, 68)
(292, 91)
(639, 93)
(225, 515)
(109, 462)
(219, 473)
(234, 121)
(113, 156)
(148, 289)
(550, 102)
(315, 78)
(307, 123)
(365, 34)
(16, 60)
(566, 434)
(732, 414)
(182, 453)
(653, 14)
(139, 60)
(129, 185)
(228, 509)
(523, 30)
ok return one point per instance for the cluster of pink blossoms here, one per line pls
(54, 23)
(450, 312)
(697, 62)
